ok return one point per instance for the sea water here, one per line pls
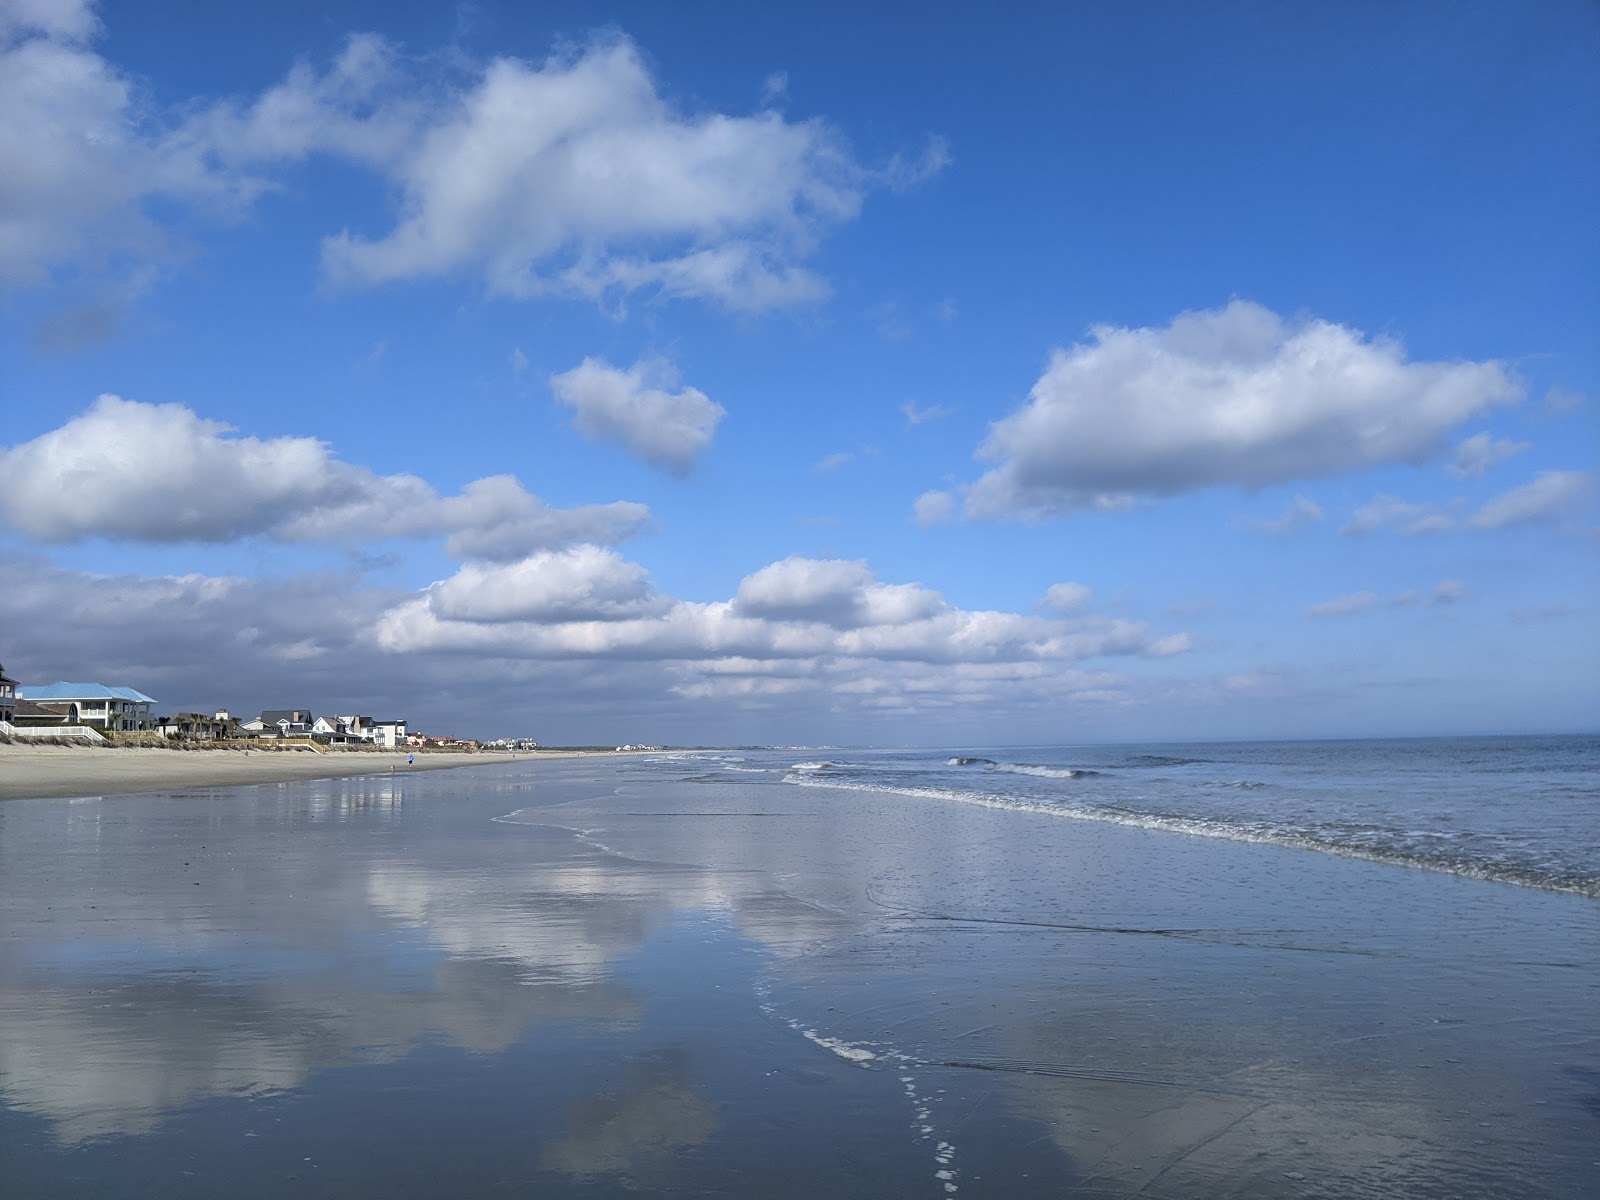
(1519, 810)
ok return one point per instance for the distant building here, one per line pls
(389, 734)
(282, 722)
(8, 696)
(29, 715)
(97, 705)
(196, 727)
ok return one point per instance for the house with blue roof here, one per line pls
(97, 705)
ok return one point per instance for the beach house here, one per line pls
(8, 696)
(95, 704)
(281, 722)
(389, 734)
(196, 727)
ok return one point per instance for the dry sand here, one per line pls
(38, 771)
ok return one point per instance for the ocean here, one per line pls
(1518, 810)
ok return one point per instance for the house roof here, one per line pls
(83, 691)
(4, 678)
(27, 708)
(295, 716)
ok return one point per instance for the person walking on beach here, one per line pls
(410, 758)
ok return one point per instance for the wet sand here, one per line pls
(58, 771)
(622, 976)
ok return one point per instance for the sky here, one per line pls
(722, 374)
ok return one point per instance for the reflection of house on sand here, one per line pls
(656, 1114)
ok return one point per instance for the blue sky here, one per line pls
(848, 374)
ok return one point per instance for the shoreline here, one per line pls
(66, 772)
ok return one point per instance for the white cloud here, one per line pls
(579, 583)
(1067, 597)
(831, 591)
(1559, 401)
(70, 20)
(1344, 606)
(933, 508)
(1551, 494)
(1299, 512)
(364, 107)
(833, 462)
(77, 156)
(572, 177)
(577, 176)
(1237, 397)
(87, 160)
(635, 409)
(519, 362)
(161, 473)
(1402, 516)
(825, 620)
(1446, 591)
(1479, 452)
(574, 646)
(917, 416)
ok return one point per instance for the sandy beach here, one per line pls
(59, 771)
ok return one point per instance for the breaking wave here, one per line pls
(1261, 832)
(1042, 772)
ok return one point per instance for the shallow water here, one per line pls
(688, 976)
(1522, 810)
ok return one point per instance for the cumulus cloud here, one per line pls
(1344, 606)
(88, 161)
(579, 583)
(831, 591)
(577, 641)
(1237, 397)
(161, 473)
(573, 176)
(635, 409)
(576, 176)
(817, 618)
(1479, 452)
(78, 156)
